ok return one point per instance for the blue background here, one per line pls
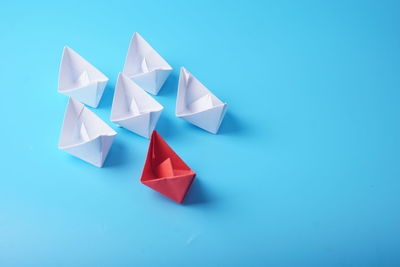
(305, 170)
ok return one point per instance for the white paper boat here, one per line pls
(133, 108)
(79, 79)
(145, 66)
(85, 135)
(196, 104)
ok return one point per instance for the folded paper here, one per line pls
(133, 108)
(165, 172)
(79, 79)
(85, 135)
(145, 66)
(197, 105)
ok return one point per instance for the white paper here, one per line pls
(133, 108)
(85, 135)
(79, 79)
(145, 66)
(197, 105)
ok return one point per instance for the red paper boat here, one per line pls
(165, 172)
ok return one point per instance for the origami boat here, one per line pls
(84, 135)
(165, 172)
(133, 108)
(145, 66)
(197, 105)
(79, 79)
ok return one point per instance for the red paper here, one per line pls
(165, 172)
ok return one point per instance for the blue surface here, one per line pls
(305, 170)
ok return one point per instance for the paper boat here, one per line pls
(79, 79)
(196, 104)
(145, 66)
(133, 108)
(85, 135)
(165, 172)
